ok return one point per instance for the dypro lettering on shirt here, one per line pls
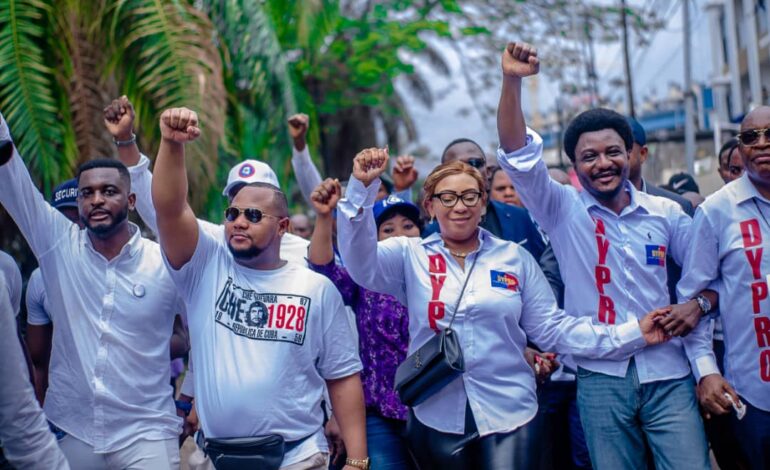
(603, 275)
(437, 270)
(752, 245)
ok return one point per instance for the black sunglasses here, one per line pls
(751, 136)
(477, 163)
(252, 214)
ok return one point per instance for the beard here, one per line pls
(245, 253)
(105, 229)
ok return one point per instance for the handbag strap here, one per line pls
(462, 291)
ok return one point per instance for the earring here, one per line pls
(432, 219)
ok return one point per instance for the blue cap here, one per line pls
(393, 204)
(640, 137)
(65, 195)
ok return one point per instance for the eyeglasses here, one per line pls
(449, 199)
(751, 136)
(478, 163)
(252, 214)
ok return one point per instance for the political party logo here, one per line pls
(246, 170)
(656, 255)
(504, 280)
(262, 316)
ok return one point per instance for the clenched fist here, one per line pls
(179, 125)
(325, 196)
(404, 173)
(369, 164)
(119, 118)
(520, 60)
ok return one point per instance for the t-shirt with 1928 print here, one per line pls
(263, 344)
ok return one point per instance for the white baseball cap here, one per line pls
(250, 171)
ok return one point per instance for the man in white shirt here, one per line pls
(113, 304)
(611, 243)
(119, 120)
(731, 233)
(27, 441)
(267, 335)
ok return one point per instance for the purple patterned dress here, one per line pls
(383, 336)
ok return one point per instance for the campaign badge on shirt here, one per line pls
(656, 255)
(504, 280)
(262, 316)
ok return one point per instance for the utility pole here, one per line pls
(689, 108)
(627, 61)
(591, 65)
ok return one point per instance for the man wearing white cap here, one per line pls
(119, 119)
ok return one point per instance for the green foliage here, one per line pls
(27, 90)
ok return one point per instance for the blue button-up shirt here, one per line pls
(506, 301)
(732, 238)
(613, 265)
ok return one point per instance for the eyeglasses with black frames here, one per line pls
(449, 199)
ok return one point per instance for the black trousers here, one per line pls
(433, 449)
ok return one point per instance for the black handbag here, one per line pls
(242, 453)
(434, 365)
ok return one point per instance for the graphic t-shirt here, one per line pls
(263, 343)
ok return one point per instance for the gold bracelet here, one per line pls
(363, 464)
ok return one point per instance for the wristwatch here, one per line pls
(363, 464)
(704, 304)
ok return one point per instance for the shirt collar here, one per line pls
(484, 237)
(131, 247)
(745, 189)
(591, 201)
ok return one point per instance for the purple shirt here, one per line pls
(383, 335)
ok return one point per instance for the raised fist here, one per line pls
(404, 173)
(520, 60)
(119, 118)
(325, 196)
(298, 124)
(179, 125)
(369, 164)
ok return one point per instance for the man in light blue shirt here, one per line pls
(611, 242)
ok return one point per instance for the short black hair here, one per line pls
(596, 119)
(728, 147)
(106, 163)
(461, 140)
(279, 202)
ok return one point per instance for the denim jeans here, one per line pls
(753, 434)
(618, 413)
(386, 444)
(562, 431)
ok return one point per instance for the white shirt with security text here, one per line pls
(731, 246)
(109, 369)
(506, 301)
(263, 342)
(614, 265)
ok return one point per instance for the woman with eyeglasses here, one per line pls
(502, 299)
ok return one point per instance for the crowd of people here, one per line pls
(514, 317)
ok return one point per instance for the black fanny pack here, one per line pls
(246, 453)
(434, 365)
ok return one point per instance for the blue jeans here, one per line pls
(386, 444)
(619, 412)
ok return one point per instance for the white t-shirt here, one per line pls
(263, 344)
(12, 274)
(37, 310)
